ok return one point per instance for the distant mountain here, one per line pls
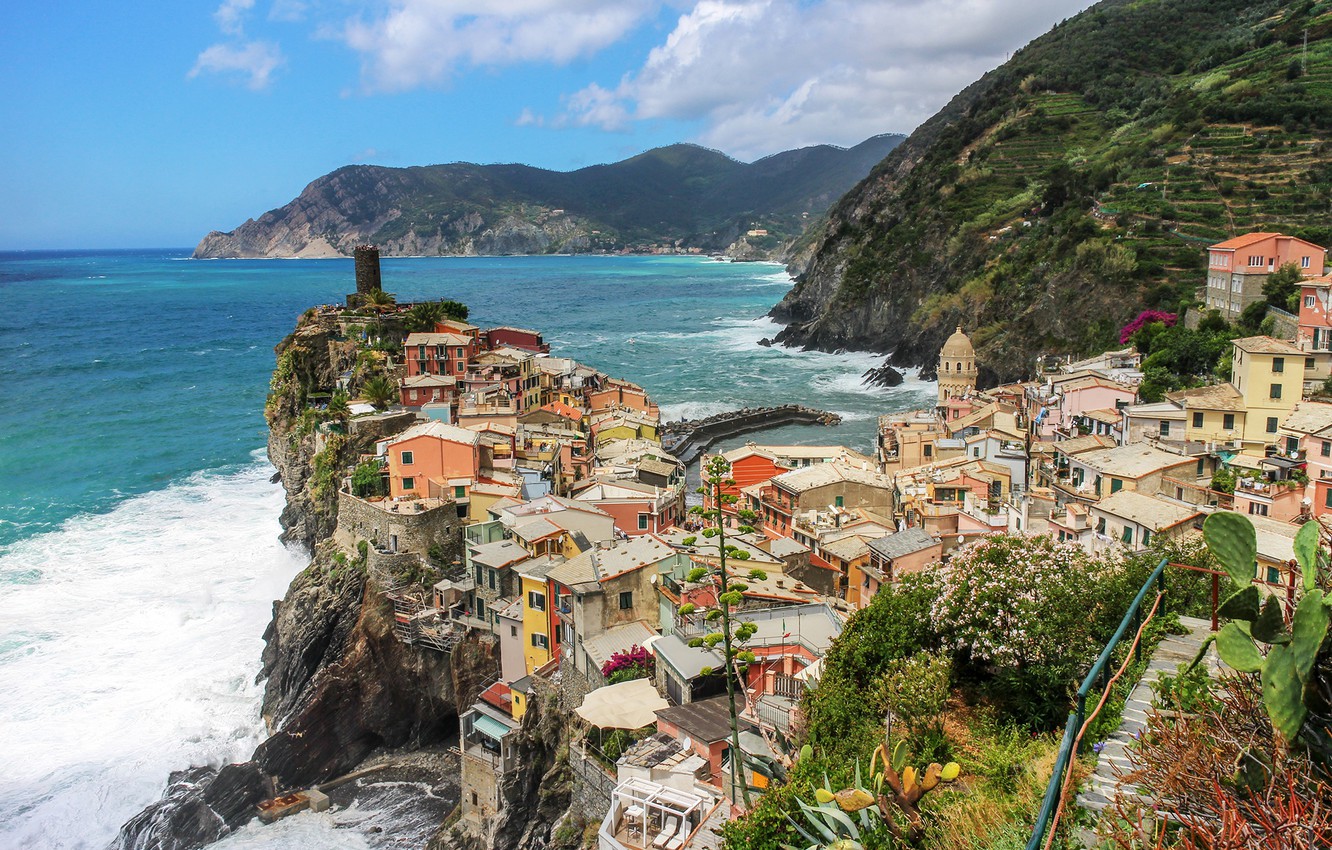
(1080, 182)
(677, 194)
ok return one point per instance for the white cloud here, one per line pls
(230, 16)
(256, 60)
(769, 75)
(423, 42)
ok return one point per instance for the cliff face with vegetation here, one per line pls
(682, 193)
(1079, 183)
(339, 687)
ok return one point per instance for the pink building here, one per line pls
(1069, 398)
(1306, 436)
(1237, 268)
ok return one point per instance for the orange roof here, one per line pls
(1252, 238)
(1246, 239)
(498, 695)
(559, 408)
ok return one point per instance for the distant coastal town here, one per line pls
(534, 506)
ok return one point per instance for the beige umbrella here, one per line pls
(628, 705)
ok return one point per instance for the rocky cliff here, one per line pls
(682, 194)
(1065, 191)
(339, 687)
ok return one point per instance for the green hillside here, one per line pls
(680, 193)
(1079, 183)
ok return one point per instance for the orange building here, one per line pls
(434, 460)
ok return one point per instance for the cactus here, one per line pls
(1291, 652)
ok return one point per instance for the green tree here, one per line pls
(367, 479)
(732, 634)
(1281, 285)
(379, 390)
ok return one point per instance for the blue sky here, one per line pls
(147, 124)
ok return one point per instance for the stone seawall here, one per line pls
(688, 439)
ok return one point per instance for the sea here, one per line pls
(139, 552)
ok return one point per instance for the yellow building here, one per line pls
(623, 425)
(1269, 376)
(538, 611)
(1213, 414)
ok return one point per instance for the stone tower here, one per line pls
(957, 367)
(367, 269)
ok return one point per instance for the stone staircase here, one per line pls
(1100, 789)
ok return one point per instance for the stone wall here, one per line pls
(592, 786)
(381, 425)
(415, 532)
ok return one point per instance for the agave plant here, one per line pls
(897, 792)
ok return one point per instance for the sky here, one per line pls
(149, 123)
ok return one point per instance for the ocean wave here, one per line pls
(134, 653)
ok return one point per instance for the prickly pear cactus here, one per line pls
(1291, 653)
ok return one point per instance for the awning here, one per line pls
(628, 705)
(489, 726)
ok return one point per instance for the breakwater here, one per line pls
(687, 439)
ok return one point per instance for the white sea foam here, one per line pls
(694, 410)
(130, 644)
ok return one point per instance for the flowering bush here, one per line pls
(1146, 317)
(1028, 615)
(634, 663)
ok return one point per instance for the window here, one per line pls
(1278, 364)
(407, 456)
(1228, 422)
(461, 367)
(1275, 391)
(1308, 363)
(413, 395)
(1127, 535)
(642, 522)
(479, 577)
(626, 600)
(480, 608)
(1165, 429)
(409, 483)
(1116, 485)
(1255, 260)
(1257, 509)
(1200, 470)
(1304, 262)
(460, 492)
(1146, 537)
(838, 501)
(1273, 575)
(491, 580)
(1309, 301)
(1326, 449)
(513, 631)
(540, 641)
(1327, 497)
(536, 601)
(1100, 526)
(461, 351)
(1197, 419)
(929, 450)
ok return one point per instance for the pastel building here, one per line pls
(1269, 376)
(957, 368)
(433, 460)
(1237, 268)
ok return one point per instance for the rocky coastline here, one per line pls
(341, 694)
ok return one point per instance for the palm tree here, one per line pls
(339, 410)
(421, 317)
(379, 299)
(379, 390)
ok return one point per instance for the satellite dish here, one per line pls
(687, 743)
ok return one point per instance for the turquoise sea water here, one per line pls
(138, 528)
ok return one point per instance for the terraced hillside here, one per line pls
(1080, 182)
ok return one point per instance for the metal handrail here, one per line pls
(1054, 791)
